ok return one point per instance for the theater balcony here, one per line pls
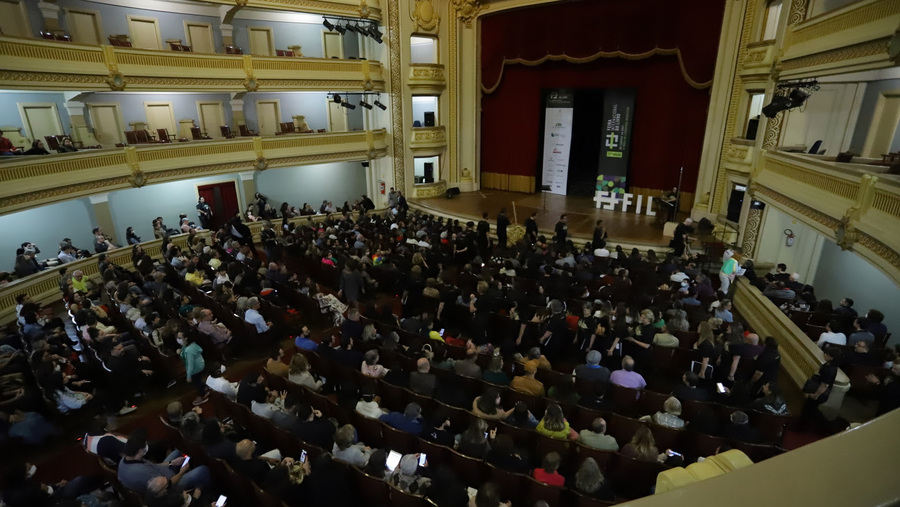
(428, 141)
(857, 203)
(30, 181)
(426, 79)
(859, 36)
(38, 64)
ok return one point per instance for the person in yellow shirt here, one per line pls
(527, 383)
(80, 283)
(555, 425)
(193, 275)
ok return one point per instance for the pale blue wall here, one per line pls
(337, 182)
(9, 111)
(312, 105)
(137, 207)
(183, 104)
(115, 21)
(867, 110)
(46, 226)
(307, 35)
(842, 273)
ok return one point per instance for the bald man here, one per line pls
(627, 377)
(421, 381)
(220, 334)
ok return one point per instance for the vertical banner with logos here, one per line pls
(558, 114)
(615, 145)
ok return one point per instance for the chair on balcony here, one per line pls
(180, 47)
(120, 40)
(196, 135)
(164, 135)
(226, 132)
(52, 142)
(287, 127)
(233, 50)
(131, 137)
(144, 136)
(284, 52)
(245, 131)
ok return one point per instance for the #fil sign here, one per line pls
(609, 201)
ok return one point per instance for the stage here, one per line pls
(626, 228)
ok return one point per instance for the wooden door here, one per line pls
(14, 19)
(884, 125)
(222, 198)
(144, 32)
(107, 122)
(267, 117)
(84, 26)
(160, 116)
(199, 36)
(40, 119)
(337, 117)
(212, 117)
(333, 42)
(262, 42)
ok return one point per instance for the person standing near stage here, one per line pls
(562, 229)
(680, 239)
(502, 224)
(531, 228)
(483, 229)
(600, 235)
(204, 212)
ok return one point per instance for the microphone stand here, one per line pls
(678, 195)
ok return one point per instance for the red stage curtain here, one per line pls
(670, 110)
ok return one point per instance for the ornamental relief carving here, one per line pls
(425, 16)
(432, 189)
(864, 50)
(468, 10)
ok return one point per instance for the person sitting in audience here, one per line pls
(494, 373)
(589, 480)
(468, 367)
(861, 333)
(875, 319)
(267, 403)
(256, 468)
(488, 495)
(832, 335)
(299, 373)
(664, 339)
(275, 364)
(627, 377)
(671, 415)
(596, 400)
(347, 449)
(370, 366)
(642, 446)
(723, 311)
(214, 442)
(889, 393)
(421, 381)
(740, 429)
(252, 316)
(597, 438)
(503, 454)
(526, 383)
(555, 425)
(845, 308)
(779, 290)
(487, 406)
(592, 371)
(135, 472)
(535, 357)
(313, 428)
(405, 476)
(521, 417)
(302, 340)
(475, 442)
(547, 473)
(6, 146)
(862, 356)
(368, 404)
(689, 388)
(772, 402)
(409, 421)
(37, 148)
(439, 428)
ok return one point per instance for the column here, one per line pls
(100, 204)
(248, 189)
(752, 226)
(50, 12)
(80, 131)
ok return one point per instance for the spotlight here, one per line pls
(340, 29)
(328, 25)
(798, 97)
(376, 36)
(380, 105)
(365, 104)
(348, 105)
(365, 164)
(337, 98)
(354, 28)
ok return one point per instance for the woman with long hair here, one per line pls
(708, 346)
(474, 442)
(554, 424)
(487, 405)
(642, 446)
(589, 480)
(298, 373)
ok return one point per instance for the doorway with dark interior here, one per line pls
(222, 198)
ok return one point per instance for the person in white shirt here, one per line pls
(829, 336)
(220, 384)
(252, 316)
(267, 404)
(678, 276)
(368, 407)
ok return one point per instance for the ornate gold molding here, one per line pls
(773, 132)
(468, 10)
(399, 153)
(868, 49)
(817, 216)
(425, 16)
(798, 11)
(854, 16)
(428, 139)
(425, 190)
(751, 231)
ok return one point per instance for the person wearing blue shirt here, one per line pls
(410, 421)
(302, 340)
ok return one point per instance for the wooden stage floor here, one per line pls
(626, 228)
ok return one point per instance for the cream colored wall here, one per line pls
(800, 258)
(829, 115)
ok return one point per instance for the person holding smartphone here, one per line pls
(406, 476)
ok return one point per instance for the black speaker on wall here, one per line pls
(429, 119)
(429, 172)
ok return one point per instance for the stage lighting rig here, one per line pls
(789, 95)
(343, 25)
(380, 105)
(365, 104)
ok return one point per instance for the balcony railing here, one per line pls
(52, 65)
(29, 181)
